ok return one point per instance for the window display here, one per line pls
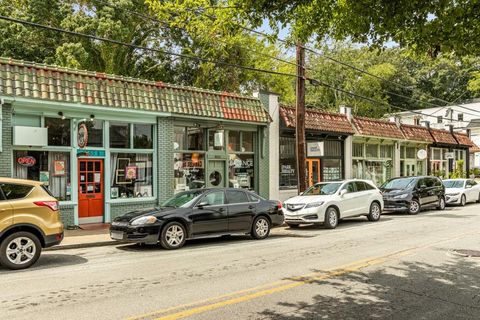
(332, 169)
(131, 175)
(241, 171)
(51, 168)
(377, 171)
(288, 164)
(189, 171)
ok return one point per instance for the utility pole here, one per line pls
(300, 118)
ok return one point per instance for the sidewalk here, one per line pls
(93, 235)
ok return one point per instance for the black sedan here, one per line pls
(199, 213)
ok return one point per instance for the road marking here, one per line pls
(283, 285)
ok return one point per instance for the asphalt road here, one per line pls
(402, 267)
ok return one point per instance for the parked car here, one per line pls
(328, 202)
(199, 213)
(461, 191)
(29, 221)
(411, 194)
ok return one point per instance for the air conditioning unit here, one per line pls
(30, 136)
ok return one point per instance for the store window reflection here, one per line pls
(189, 171)
(241, 171)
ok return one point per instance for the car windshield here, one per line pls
(399, 184)
(322, 189)
(453, 183)
(182, 199)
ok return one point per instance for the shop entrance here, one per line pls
(90, 190)
(216, 174)
(313, 171)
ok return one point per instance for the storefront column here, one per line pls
(6, 165)
(347, 159)
(396, 159)
(165, 165)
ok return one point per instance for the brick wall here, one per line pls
(6, 154)
(117, 209)
(263, 134)
(165, 158)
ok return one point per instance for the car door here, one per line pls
(471, 193)
(241, 211)
(6, 212)
(348, 202)
(438, 189)
(362, 196)
(422, 191)
(210, 214)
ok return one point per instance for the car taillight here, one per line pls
(53, 205)
(279, 204)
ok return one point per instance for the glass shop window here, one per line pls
(195, 139)
(247, 141)
(143, 136)
(358, 150)
(119, 135)
(216, 140)
(372, 150)
(241, 171)
(233, 140)
(333, 148)
(51, 168)
(189, 171)
(131, 175)
(386, 151)
(95, 133)
(332, 169)
(288, 164)
(58, 132)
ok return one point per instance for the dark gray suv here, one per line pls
(411, 194)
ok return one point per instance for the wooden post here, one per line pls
(300, 118)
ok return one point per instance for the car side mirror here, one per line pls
(343, 192)
(202, 204)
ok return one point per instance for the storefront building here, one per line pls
(414, 150)
(106, 144)
(327, 134)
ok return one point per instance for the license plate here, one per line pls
(117, 235)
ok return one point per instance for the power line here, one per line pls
(134, 46)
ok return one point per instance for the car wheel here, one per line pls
(173, 236)
(331, 218)
(20, 250)
(463, 200)
(441, 204)
(375, 212)
(260, 228)
(414, 207)
(293, 226)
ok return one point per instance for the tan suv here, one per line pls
(29, 221)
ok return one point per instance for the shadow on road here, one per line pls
(49, 261)
(409, 291)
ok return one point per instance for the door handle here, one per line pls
(251, 207)
(221, 209)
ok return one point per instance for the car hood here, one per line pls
(453, 190)
(307, 199)
(157, 212)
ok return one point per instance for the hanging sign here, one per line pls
(26, 161)
(449, 155)
(315, 149)
(82, 136)
(422, 154)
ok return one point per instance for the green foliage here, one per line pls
(458, 172)
(427, 26)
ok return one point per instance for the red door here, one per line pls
(90, 190)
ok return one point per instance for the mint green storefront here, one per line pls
(144, 140)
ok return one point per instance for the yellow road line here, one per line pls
(283, 285)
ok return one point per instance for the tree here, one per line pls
(431, 26)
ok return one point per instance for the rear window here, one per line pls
(236, 197)
(15, 191)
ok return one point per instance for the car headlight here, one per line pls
(314, 204)
(453, 194)
(144, 220)
(401, 196)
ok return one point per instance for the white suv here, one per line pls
(328, 202)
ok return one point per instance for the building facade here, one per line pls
(105, 144)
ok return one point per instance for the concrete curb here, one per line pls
(83, 245)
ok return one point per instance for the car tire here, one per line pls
(414, 207)
(375, 212)
(463, 200)
(23, 248)
(173, 236)
(441, 204)
(261, 228)
(293, 226)
(331, 218)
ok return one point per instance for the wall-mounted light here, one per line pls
(92, 117)
(61, 115)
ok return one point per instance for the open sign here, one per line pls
(26, 161)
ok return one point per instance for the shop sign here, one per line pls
(26, 161)
(422, 154)
(315, 149)
(449, 155)
(82, 136)
(90, 153)
(59, 168)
